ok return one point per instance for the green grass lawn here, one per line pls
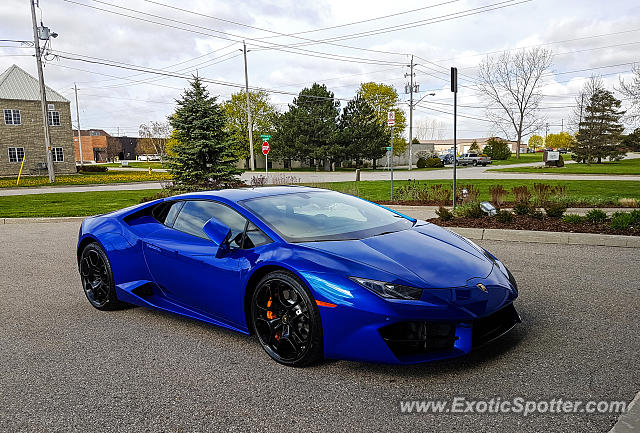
(68, 203)
(91, 203)
(86, 178)
(136, 164)
(625, 166)
(524, 158)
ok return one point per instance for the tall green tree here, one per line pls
(263, 115)
(309, 129)
(201, 154)
(560, 140)
(361, 134)
(600, 131)
(536, 142)
(384, 98)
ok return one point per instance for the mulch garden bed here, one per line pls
(505, 205)
(538, 224)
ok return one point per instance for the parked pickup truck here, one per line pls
(473, 158)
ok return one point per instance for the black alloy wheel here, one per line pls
(97, 278)
(286, 320)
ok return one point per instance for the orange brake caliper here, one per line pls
(270, 314)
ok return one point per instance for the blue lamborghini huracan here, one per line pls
(312, 273)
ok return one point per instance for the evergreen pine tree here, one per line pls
(362, 136)
(202, 156)
(600, 131)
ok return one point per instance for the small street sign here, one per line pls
(388, 147)
(265, 137)
(265, 147)
(391, 118)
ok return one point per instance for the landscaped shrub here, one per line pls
(471, 195)
(163, 193)
(92, 168)
(422, 163)
(541, 193)
(572, 218)
(555, 210)
(537, 214)
(628, 202)
(522, 209)
(413, 190)
(434, 163)
(596, 216)
(521, 194)
(444, 214)
(504, 216)
(469, 210)
(498, 195)
(440, 194)
(621, 220)
(497, 149)
(559, 192)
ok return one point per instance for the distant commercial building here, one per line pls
(22, 129)
(94, 145)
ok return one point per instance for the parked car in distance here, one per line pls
(474, 159)
(446, 158)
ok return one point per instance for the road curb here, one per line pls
(630, 420)
(532, 236)
(548, 237)
(40, 220)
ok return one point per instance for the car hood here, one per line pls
(426, 256)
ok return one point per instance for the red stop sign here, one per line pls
(265, 147)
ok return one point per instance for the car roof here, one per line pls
(239, 194)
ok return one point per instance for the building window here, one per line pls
(16, 154)
(94, 133)
(57, 154)
(12, 117)
(54, 118)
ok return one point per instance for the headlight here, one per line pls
(389, 290)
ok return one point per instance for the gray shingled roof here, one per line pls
(15, 83)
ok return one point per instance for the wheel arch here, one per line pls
(254, 278)
(86, 240)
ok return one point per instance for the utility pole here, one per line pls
(43, 94)
(581, 105)
(411, 89)
(75, 87)
(249, 124)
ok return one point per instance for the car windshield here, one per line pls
(324, 216)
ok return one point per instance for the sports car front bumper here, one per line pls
(444, 323)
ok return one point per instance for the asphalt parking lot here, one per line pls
(65, 366)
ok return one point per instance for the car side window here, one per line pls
(255, 237)
(195, 213)
(165, 213)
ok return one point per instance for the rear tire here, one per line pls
(475, 163)
(97, 278)
(286, 320)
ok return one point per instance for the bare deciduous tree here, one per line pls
(430, 130)
(511, 84)
(153, 138)
(631, 90)
(582, 100)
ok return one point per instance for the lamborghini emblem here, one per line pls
(481, 287)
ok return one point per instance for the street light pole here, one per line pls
(43, 95)
(249, 123)
(75, 88)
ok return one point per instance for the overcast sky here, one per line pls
(583, 34)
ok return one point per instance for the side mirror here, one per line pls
(219, 234)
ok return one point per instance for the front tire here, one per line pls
(286, 320)
(475, 163)
(97, 278)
